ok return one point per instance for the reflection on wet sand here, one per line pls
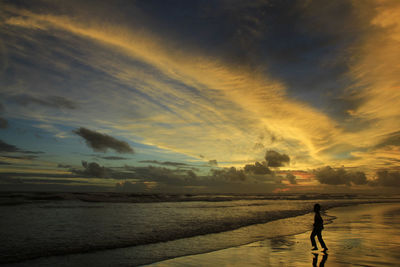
(366, 235)
(282, 243)
(315, 260)
(363, 235)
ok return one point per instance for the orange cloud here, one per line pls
(281, 190)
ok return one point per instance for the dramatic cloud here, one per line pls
(102, 142)
(3, 123)
(257, 168)
(340, 176)
(94, 170)
(314, 80)
(291, 178)
(230, 174)
(227, 180)
(162, 175)
(387, 178)
(145, 174)
(49, 101)
(161, 73)
(276, 159)
(357, 177)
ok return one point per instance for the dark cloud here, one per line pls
(291, 178)
(257, 179)
(303, 42)
(51, 181)
(102, 142)
(153, 179)
(25, 157)
(230, 174)
(162, 175)
(357, 177)
(217, 177)
(146, 174)
(166, 163)
(3, 123)
(213, 162)
(28, 175)
(63, 166)
(311, 40)
(4, 147)
(340, 176)
(163, 183)
(67, 186)
(228, 180)
(57, 102)
(276, 159)
(93, 170)
(386, 178)
(328, 175)
(257, 168)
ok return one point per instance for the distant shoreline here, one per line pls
(15, 198)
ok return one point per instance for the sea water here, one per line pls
(66, 230)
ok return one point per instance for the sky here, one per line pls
(216, 96)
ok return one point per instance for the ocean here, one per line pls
(109, 229)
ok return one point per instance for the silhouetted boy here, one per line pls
(318, 226)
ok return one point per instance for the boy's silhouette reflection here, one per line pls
(315, 260)
(317, 229)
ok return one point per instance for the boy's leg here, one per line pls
(312, 237)
(321, 241)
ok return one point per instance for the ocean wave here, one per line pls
(16, 198)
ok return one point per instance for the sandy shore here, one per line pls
(362, 235)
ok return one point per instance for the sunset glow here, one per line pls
(148, 96)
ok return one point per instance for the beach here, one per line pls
(240, 232)
(361, 235)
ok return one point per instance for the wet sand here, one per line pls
(362, 235)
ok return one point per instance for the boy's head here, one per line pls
(317, 207)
